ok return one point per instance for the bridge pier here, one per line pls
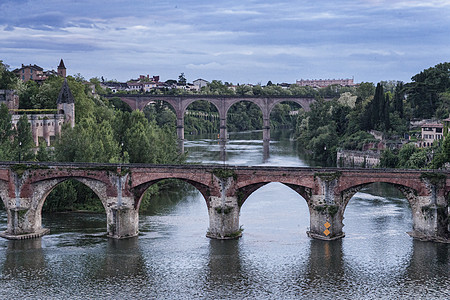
(431, 216)
(24, 223)
(266, 130)
(326, 211)
(223, 212)
(326, 221)
(223, 130)
(123, 222)
(180, 133)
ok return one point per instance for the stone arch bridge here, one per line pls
(327, 191)
(222, 103)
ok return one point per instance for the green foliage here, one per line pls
(244, 116)
(23, 143)
(44, 153)
(5, 124)
(434, 178)
(72, 195)
(331, 209)
(182, 79)
(317, 130)
(357, 140)
(8, 80)
(424, 92)
(280, 116)
(388, 159)
(224, 173)
(442, 153)
(408, 157)
(328, 176)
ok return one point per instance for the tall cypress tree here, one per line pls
(387, 121)
(398, 99)
(378, 106)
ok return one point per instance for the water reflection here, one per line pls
(25, 258)
(225, 274)
(122, 259)
(429, 260)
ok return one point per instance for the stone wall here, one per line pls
(357, 159)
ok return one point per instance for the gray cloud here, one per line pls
(231, 40)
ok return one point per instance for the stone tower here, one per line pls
(66, 104)
(62, 69)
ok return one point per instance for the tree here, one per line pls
(8, 80)
(182, 79)
(423, 92)
(399, 96)
(5, 124)
(43, 153)
(404, 154)
(23, 140)
(388, 159)
(6, 132)
(365, 90)
(386, 119)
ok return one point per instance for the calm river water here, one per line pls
(172, 258)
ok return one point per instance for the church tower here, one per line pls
(66, 104)
(62, 69)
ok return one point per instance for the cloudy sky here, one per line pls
(235, 41)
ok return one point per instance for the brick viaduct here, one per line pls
(24, 188)
(222, 103)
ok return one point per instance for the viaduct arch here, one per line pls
(120, 187)
(222, 103)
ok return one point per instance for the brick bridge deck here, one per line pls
(327, 191)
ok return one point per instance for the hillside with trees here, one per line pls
(387, 107)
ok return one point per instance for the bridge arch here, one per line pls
(382, 200)
(251, 111)
(303, 103)
(48, 185)
(140, 190)
(408, 192)
(247, 189)
(199, 111)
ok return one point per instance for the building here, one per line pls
(36, 73)
(431, 133)
(319, 83)
(30, 72)
(48, 126)
(358, 159)
(115, 86)
(200, 83)
(9, 98)
(61, 69)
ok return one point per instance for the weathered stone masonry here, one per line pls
(24, 188)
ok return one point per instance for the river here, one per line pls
(274, 259)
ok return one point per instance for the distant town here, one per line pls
(147, 83)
